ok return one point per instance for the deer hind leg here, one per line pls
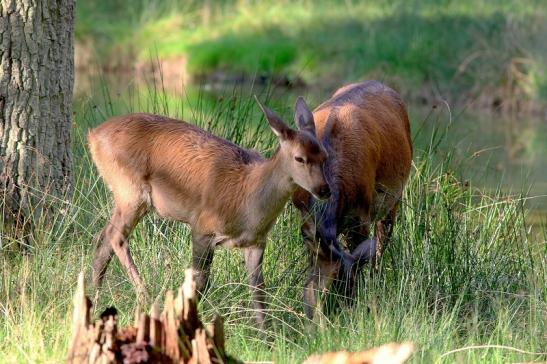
(383, 231)
(114, 240)
(253, 262)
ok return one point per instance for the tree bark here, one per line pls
(36, 81)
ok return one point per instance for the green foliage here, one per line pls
(272, 52)
(460, 271)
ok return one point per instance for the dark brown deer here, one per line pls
(365, 129)
(229, 196)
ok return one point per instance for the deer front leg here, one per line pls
(322, 273)
(114, 239)
(253, 261)
(103, 255)
(356, 229)
(319, 230)
(322, 269)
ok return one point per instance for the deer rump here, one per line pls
(365, 129)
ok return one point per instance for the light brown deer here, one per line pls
(365, 130)
(229, 196)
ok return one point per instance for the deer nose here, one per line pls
(324, 191)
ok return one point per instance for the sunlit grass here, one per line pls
(460, 273)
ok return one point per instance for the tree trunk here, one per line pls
(36, 80)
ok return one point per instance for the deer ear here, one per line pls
(280, 129)
(303, 117)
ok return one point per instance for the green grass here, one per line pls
(490, 52)
(460, 272)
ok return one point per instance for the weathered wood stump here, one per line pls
(175, 335)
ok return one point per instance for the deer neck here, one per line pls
(270, 187)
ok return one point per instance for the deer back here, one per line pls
(366, 130)
(185, 169)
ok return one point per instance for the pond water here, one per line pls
(493, 151)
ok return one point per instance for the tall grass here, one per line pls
(460, 278)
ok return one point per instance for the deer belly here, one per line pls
(170, 204)
(241, 241)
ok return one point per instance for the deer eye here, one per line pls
(299, 159)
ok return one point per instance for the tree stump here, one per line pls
(177, 335)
